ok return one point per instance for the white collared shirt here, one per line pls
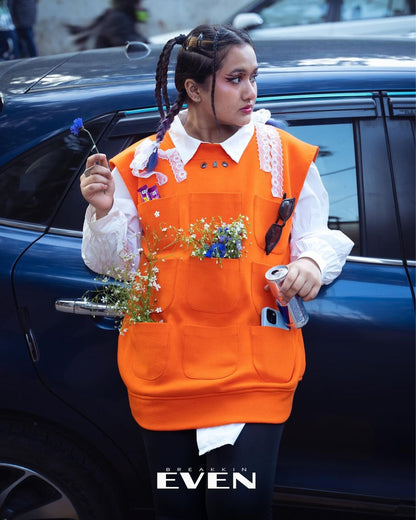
(234, 146)
(105, 239)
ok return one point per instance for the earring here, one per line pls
(197, 100)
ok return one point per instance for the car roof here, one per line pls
(105, 67)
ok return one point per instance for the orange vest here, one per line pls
(210, 362)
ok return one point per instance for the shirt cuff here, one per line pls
(104, 224)
(316, 257)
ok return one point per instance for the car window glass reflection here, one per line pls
(32, 184)
(336, 164)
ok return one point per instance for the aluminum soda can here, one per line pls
(294, 313)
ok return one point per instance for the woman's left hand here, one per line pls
(303, 278)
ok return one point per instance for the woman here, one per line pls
(24, 14)
(210, 387)
(116, 26)
(8, 36)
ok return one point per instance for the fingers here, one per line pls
(97, 164)
(96, 177)
(97, 184)
(97, 158)
(303, 278)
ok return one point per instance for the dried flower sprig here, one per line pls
(131, 292)
(77, 127)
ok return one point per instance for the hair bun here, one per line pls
(180, 40)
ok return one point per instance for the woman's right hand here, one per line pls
(97, 184)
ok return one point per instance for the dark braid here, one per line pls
(214, 76)
(170, 116)
(167, 113)
(161, 88)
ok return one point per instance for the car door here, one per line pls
(351, 430)
(75, 356)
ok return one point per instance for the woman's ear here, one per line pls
(192, 90)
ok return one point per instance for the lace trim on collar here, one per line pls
(269, 148)
(270, 152)
(176, 163)
(141, 156)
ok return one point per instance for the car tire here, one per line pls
(46, 474)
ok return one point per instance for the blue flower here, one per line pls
(216, 251)
(77, 126)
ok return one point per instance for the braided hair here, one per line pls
(200, 56)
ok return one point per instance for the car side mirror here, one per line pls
(136, 50)
(247, 21)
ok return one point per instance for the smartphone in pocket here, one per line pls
(272, 318)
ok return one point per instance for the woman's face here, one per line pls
(235, 88)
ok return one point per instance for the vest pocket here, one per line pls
(209, 352)
(225, 206)
(212, 286)
(260, 296)
(274, 353)
(144, 348)
(265, 214)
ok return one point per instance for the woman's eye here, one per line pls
(238, 79)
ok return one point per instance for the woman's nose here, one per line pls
(250, 91)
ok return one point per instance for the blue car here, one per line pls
(69, 448)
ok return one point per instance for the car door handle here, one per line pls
(81, 306)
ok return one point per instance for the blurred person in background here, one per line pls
(24, 14)
(116, 26)
(8, 36)
(333, 13)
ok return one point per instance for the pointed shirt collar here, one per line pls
(186, 145)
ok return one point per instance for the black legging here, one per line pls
(255, 451)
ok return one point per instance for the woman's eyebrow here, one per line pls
(242, 70)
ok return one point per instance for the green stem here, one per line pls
(94, 146)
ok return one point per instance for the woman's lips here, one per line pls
(247, 109)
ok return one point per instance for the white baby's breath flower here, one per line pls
(157, 214)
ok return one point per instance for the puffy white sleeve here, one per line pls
(114, 240)
(311, 236)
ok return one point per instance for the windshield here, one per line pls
(283, 13)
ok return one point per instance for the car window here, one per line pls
(336, 165)
(298, 12)
(32, 184)
(71, 212)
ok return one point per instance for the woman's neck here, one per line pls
(205, 131)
